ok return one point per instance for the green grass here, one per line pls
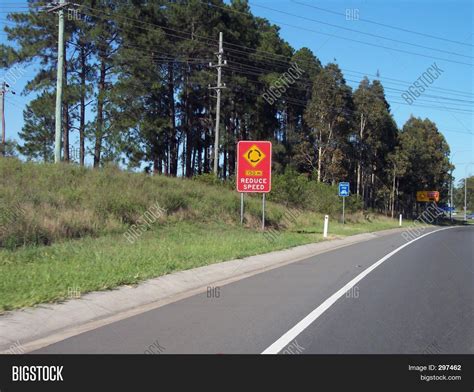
(42, 204)
(62, 226)
(46, 204)
(34, 275)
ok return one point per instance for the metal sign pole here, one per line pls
(263, 211)
(465, 199)
(241, 208)
(343, 208)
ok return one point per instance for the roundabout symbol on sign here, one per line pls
(254, 156)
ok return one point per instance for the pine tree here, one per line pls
(38, 130)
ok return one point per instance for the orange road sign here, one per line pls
(254, 166)
(427, 196)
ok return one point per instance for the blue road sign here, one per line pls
(447, 208)
(344, 189)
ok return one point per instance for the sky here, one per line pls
(338, 31)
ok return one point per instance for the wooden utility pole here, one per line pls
(59, 81)
(3, 91)
(220, 63)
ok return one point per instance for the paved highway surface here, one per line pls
(417, 300)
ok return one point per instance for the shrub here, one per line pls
(57, 202)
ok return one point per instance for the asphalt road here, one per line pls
(418, 300)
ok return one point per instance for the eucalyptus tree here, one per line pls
(328, 114)
(428, 166)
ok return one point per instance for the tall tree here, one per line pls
(428, 164)
(38, 131)
(328, 115)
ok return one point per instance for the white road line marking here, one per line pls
(289, 336)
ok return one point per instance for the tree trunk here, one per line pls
(173, 155)
(194, 158)
(188, 127)
(166, 159)
(372, 187)
(224, 168)
(320, 153)
(359, 163)
(365, 190)
(199, 153)
(183, 159)
(100, 114)
(157, 165)
(231, 146)
(358, 178)
(82, 115)
(372, 180)
(207, 140)
(189, 150)
(393, 192)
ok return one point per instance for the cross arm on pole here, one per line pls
(57, 7)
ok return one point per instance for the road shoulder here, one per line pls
(32, 328)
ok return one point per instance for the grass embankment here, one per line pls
(62, 229)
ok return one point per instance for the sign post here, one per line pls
(241, 208)
(254, 170)
(344, 191)
(343, 210)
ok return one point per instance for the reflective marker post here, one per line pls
(326, 224)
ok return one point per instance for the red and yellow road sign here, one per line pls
(427, 196)
(254, 166)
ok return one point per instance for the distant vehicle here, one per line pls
(470, 216)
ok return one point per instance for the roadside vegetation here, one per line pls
(62, 226)
(42, 204)
(67, 228)
(153, 110)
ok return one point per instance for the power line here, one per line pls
(247, 72)
(385, 87)
(385, 25)
(146, 23)
(285, 64)
(400, 82)
(256, 52)
(251, 69)
(403, 82)
(420, 104)
(298, 27)
(354, 40)
(363, 32)
(354, 81)
(185, 32)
